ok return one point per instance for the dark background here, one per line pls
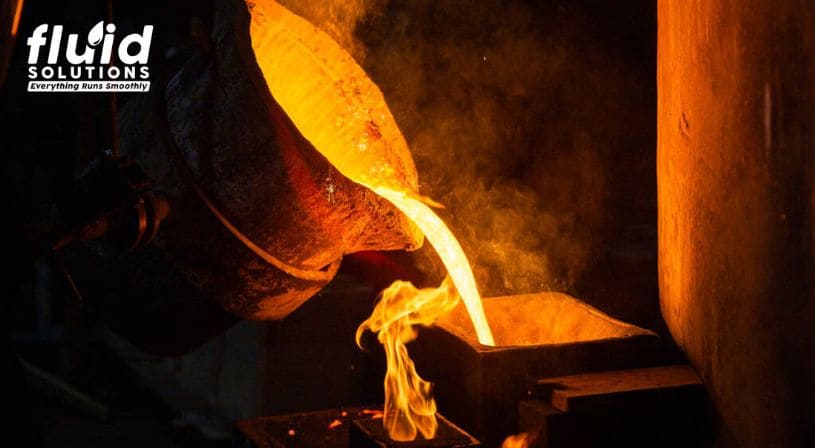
(533, 122)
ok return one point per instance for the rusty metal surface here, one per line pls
(736, 119)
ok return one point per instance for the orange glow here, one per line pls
(539, 319)
(409, 404)
(521, 440)
(330, 99)
(18, 11)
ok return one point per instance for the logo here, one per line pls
(96, 63)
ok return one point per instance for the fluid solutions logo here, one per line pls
(99, 64)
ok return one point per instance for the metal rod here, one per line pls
(68, 278)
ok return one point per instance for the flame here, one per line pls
(522, 440)
(409, 404)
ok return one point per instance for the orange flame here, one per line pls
(409, 404)
(522, 440)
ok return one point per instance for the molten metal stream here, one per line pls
(450, 252)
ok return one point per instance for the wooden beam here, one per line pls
(623, 389)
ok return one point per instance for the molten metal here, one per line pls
(451, 254)
(330, 99)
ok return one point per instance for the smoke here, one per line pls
(338, 19)
(506, 107)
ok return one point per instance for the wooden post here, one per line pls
(736, 167)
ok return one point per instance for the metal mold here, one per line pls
(538, 335)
